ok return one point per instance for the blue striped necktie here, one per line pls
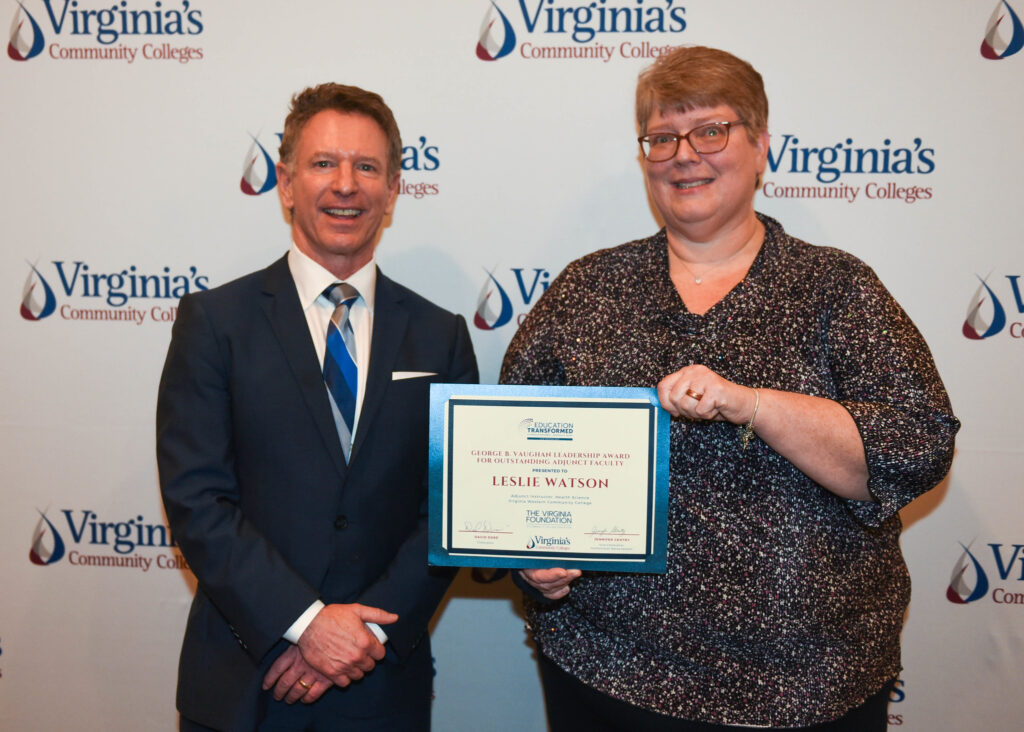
(341, 373)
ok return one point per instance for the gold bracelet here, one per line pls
(747, 430)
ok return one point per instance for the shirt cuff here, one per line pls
(376, 630)
(299, 626)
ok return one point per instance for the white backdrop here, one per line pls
(123, 187)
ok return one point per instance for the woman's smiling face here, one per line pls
(697, 195)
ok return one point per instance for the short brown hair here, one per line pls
(691, 77)
(346, 99)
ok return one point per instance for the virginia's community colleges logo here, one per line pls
(26, 38)
(259, 175)
(497, 38)
(969, 582)
(97, 31)
(494, 307)
(839, 171)
(549, 542)
(563, 30)
(986, 315)
(47, 545)
(118, 293)
(89, 541)
(37, 298)
(1004, 34)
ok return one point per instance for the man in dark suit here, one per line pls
(292, 447)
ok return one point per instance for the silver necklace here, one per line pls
(697, 280)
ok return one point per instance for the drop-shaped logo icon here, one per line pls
(976, 326)
(496, 40)
(960, 590)
(26, 38)
(258, 174)
(1004, 34)
(47, 546)
(34, 307)
(486, 318)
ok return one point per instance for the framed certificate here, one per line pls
(536, 476)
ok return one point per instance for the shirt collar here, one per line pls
(311, 279)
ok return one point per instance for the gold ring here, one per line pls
(304, 685)
(694, 394)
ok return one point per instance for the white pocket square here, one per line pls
(399, 375)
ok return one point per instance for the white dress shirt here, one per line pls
(311, 280)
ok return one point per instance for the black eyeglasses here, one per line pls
(710, 138)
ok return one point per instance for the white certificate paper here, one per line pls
(532, 476)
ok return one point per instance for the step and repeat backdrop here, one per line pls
(139, 145)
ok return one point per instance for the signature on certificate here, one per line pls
(614, 529)
(484, 525)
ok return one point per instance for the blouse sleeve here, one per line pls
(886, 378)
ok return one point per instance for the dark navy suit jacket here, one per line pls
(261, 501)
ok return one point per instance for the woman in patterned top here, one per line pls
(806, 411)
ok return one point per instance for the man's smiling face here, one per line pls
(338, 189)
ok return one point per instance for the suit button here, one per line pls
(341, 522)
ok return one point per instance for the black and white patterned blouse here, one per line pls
(783, 603)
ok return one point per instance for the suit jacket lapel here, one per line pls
(390, 320)
(283, 310)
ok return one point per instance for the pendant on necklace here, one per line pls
(696, 280)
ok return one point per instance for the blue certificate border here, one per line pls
(443, 400)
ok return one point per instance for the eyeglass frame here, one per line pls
(679, 138)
